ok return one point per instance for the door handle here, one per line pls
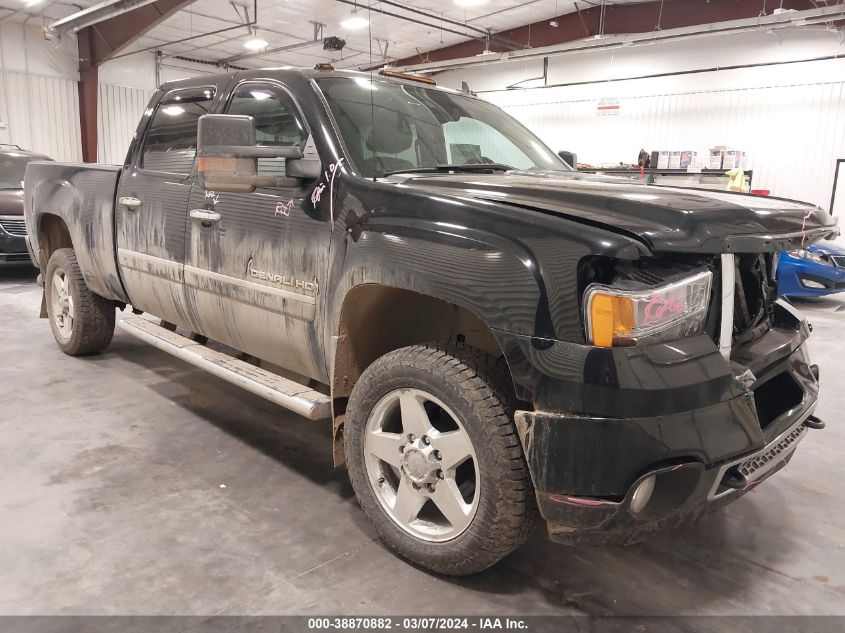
(205, 216)
(131, 204)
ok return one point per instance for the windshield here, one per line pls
(12, 168)
(389, 127)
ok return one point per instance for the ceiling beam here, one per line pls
(101, 41)
(586, 21)
(97, 44)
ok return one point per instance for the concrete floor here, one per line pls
(134, 484)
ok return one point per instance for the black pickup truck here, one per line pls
(491, 333)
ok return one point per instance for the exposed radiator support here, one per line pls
(726, 327)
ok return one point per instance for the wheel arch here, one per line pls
(376, 319)
(53, 234)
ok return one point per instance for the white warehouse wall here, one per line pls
(119, 109)
(39, 99)
(788, 117)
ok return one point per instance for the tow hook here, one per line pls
(814, 423)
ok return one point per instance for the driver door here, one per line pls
(252, 276)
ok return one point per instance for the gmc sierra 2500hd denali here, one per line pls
(491, 333)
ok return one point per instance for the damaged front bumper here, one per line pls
(678, 493)
(603, 479)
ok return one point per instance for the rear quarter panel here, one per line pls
(82, 196)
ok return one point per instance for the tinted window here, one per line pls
(388, 127)
(277, 121)
(171, 141)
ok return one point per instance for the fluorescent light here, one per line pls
(354, 22)
(470, 3)
(255, 44)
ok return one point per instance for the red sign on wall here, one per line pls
(608, 106)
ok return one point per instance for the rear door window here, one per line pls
(171, 140)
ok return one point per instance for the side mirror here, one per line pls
(227, 156)
(570, 158)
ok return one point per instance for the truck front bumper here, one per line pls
(678, 493)
(606, 478)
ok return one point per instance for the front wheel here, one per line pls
(434, 458)
(82, 322)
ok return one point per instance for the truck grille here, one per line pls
(753, 465)
(13, 226)
(838, 260)
(754, 468)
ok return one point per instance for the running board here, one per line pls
(291, 395)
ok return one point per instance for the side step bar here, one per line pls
(286, 393)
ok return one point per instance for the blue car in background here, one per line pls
(814, 271)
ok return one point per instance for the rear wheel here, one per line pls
(82, 322)
(434, 458)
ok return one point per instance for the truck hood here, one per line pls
(11, 202)
(664, 218)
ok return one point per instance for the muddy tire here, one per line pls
(82, 322)
(435, 460)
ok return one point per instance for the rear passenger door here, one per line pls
(152, 203)
(252, 276)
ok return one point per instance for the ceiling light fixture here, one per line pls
(470, 3)
(255, 44)
(354, 21)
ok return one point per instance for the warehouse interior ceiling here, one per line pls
(216, 30)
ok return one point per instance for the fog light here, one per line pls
(809, 283)
(642, 495)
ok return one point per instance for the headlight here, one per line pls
(618, 317)
(812, 256)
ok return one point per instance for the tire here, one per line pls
(82, 322)
(496, 510)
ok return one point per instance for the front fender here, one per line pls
(515, 269)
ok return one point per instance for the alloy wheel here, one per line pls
(422, 465)
(62, 302)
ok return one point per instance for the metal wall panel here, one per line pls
(42, 114)
(793, 134)
(119, 110)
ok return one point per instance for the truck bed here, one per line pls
(82, 197)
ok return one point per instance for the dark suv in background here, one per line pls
(13, 161)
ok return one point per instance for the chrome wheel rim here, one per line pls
(62, 302)
(422, 465)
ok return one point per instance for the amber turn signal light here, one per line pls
(610, 316)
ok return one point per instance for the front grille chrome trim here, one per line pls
(753, 467)
(838, 260)
(14, 225)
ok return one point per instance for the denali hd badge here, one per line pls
(282, 280)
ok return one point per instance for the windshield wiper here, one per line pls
(471, 167)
